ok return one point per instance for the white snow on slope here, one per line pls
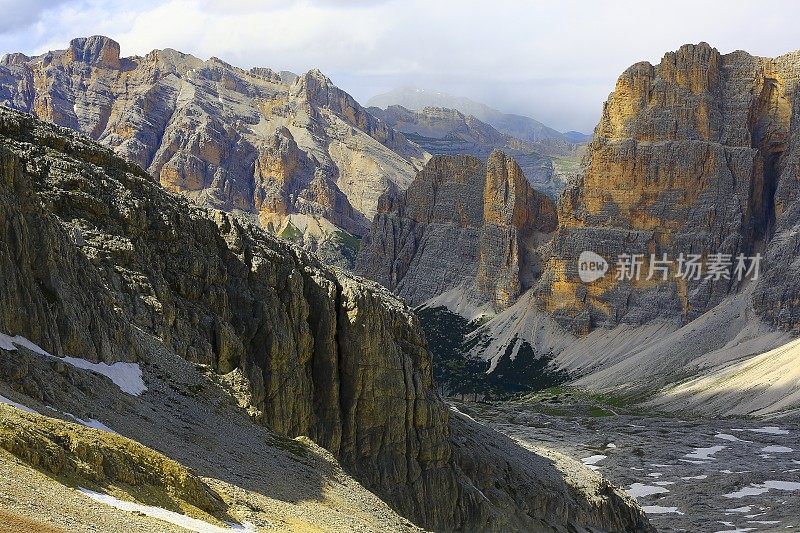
(777, 449)
(728, 437)
(91, 423)
(19, 406)
(638, 490)
(126, 376)
(756, 489)
(187, 522)
(771, 430)
(704, 453)
(658, 509)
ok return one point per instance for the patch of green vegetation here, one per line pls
(349, 241)
(288, 445)
(340, 248)
(599, 411)
(292, 234)
(451, 340)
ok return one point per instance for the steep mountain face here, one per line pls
(449, 132)
(462, 225)
(257, 142)
(686, 160)
(97, 256)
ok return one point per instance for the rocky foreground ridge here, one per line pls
(94, 253)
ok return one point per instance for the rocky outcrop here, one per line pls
(461, 224)
(75, 453)
(324, 354)
(685, 160)
(244, 141)
(442, 131)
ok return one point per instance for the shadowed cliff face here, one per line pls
(461, 224)
(93, 249)
(245, 141)
(687, 158)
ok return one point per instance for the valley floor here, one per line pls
(697, 475)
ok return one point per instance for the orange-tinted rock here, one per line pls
(685, 159)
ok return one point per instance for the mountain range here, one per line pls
(294, 153)
(148, 288)
(694, 156)
(519, 126)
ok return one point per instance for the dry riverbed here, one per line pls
(697, 475)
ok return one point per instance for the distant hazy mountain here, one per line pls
(577, 137)
(519, 126)
(442, 131)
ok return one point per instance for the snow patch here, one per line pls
(770, 430)
(701, 476)
(593, 460)
(638, 490)
(658, 509)
(126, 376)
(745, 509)
(705, 453)
(731, 438)
(19, 406)
(756, 489)
(91, 423)
(187, 522)
(777, 449)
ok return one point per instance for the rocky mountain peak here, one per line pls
(687, 158)
(95, 50)
(14, 58)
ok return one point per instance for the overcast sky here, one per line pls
(555, 61)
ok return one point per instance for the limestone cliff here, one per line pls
(250, 141)
(461, 224)
(94, 252)
(686, 159)
(696, 155)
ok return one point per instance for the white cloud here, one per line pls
(556, 61)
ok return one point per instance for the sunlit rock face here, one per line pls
(461, 224)
(251, 141)
(687, 158)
